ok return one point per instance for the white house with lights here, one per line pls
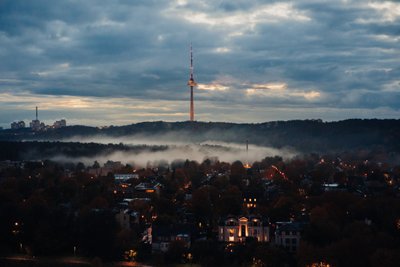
(237, 229)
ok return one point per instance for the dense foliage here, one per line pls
(303, 135)
(53, 209)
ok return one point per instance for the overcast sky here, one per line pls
(121, 61)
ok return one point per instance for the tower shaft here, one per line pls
(36, 113)
(191, 104)
(191, 83)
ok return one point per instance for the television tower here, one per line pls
(191, 83)
(36, 113)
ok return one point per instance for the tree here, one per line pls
(175, 252)
(80, 167)
(207, 253)
(231, 201)
(270, 256)
(238, 173)
(97, 232)
(203, 202)
(96, 165)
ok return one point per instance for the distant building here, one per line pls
(113, 165)
(162, 235)
(126, 218)
(18, 125)
(60, 124)
(108, 168)
(234, 229)
(333, 187)
(287, 235)
(10, 164)
(36, 125)
(123, 185)
(147, 190)
(123, 178)
(250, 203)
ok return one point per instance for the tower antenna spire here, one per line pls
(191, 83)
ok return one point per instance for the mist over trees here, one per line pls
(302, 135)
(34, 150)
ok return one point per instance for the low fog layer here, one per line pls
(176, 150)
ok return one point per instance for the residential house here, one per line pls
(162, 235)
(126, 218)
(288, 234)
(237, 229)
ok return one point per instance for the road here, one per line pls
(24, 260)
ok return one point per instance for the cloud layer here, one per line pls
(117, 62)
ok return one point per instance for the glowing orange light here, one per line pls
(247, 166)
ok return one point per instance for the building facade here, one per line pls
(126, 218)
(60, 124)
(287, 235)
(18, 125)
(36, 125)
(163, 235)
(238, 229)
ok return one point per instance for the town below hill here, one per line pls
(203, 194)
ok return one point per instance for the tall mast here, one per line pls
(191, 83)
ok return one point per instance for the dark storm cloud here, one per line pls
(337, 54)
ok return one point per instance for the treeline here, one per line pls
(303, 135)
(44, 150)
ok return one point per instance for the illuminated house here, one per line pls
(146, 190)
(237, 229)
(250, 203)
(123, 185)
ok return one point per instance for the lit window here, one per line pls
(231, 232)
